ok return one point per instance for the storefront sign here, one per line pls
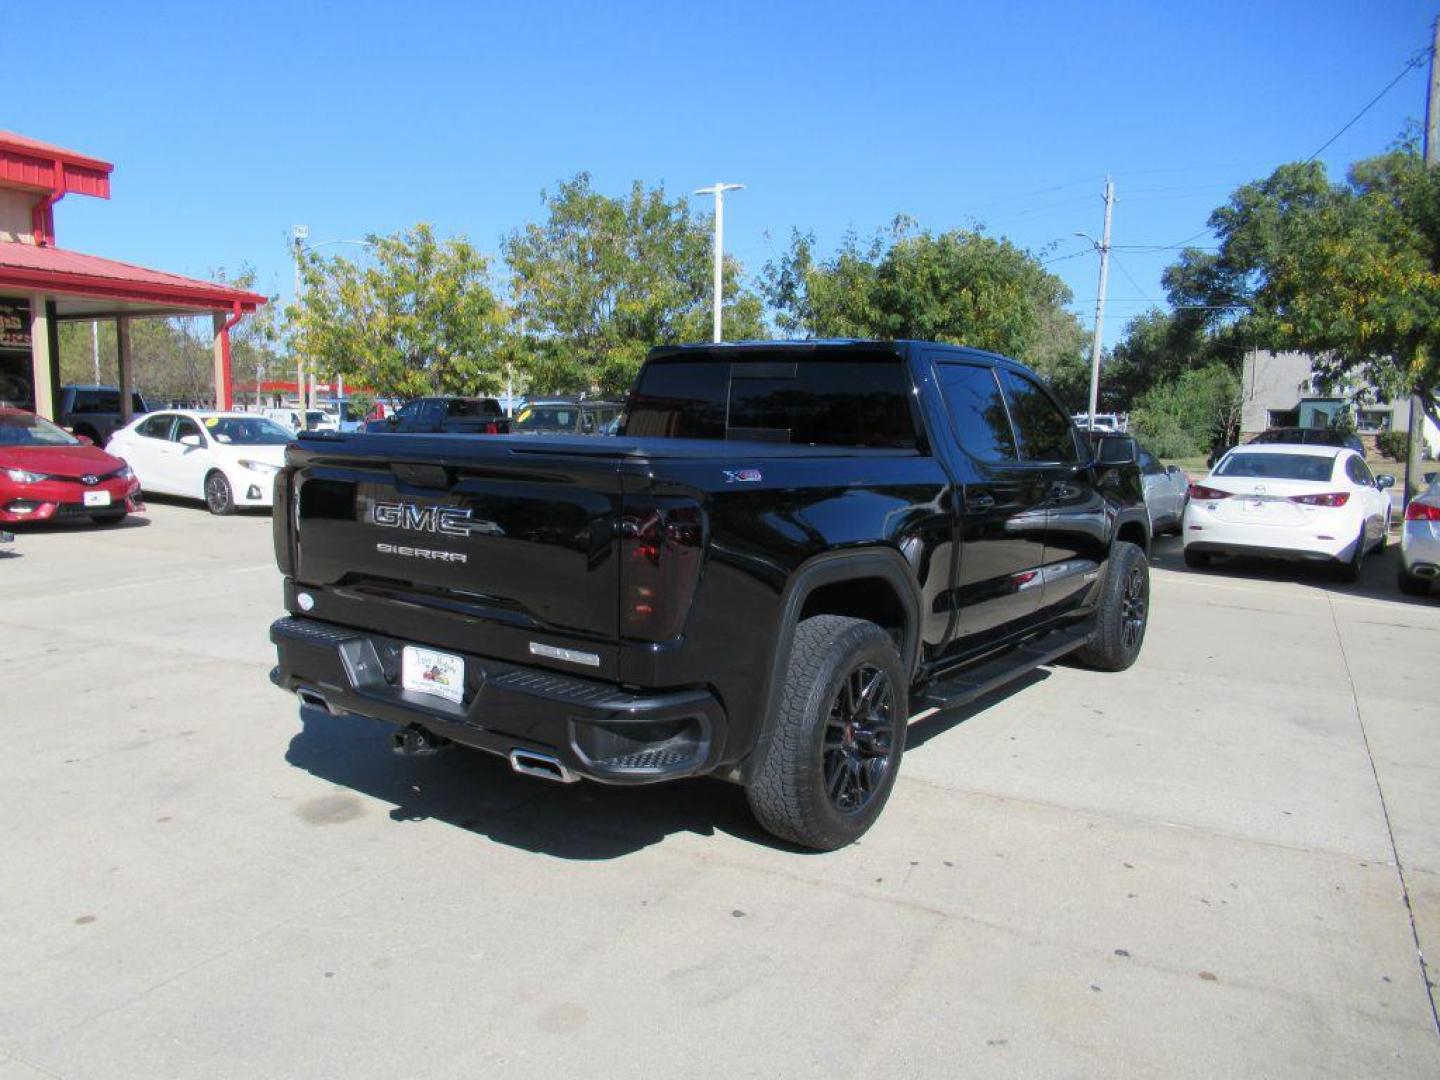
(14, 324)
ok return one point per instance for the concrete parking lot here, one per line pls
(1215, 865)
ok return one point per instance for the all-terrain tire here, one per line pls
(1123, 611)
(818, 779)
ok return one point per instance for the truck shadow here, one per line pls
(478, 792)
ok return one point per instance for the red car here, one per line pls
(45, 472)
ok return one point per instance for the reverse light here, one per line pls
(1422, 511)
(1200, 491)
(1329, 498)
(24, 476)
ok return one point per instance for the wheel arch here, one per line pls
(1134, 528)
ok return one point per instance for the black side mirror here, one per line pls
(1384, 480)
(1116, 450)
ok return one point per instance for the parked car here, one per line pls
(1109, 423)
(1289, 501)
(435, 415)
(340, 416)
(790, 549)
(45, 472)
(227, 459)
(94, 411)
(292, 419)
(1167, 489)
(1420, 542)
(565, 416)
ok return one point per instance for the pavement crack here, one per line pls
(1425, 982)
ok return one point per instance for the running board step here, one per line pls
(988, 675)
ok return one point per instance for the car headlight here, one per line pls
(24, 476)
(126, 473)
(259, 466)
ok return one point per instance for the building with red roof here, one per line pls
(42, 284)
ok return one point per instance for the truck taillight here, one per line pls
(1419, 511)
(1329, 498)
(492, 428)
(280, 523)
(661, 542)
(1200, 491)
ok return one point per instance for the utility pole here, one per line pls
(95, 347)
(718, 190)
(299, 235)
(1104, 248)
(1432, 154)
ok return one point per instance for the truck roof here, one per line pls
(822, 347)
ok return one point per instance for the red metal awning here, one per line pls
(32, 163)
(26, 268)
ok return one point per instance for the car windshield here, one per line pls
(247, 431)
(546, 418)
(1277, 466)
(26, 430)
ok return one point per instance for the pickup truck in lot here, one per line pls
(789, 550)
(437, 415)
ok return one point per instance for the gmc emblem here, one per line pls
(447, 520)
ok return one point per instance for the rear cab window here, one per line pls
(857, 399)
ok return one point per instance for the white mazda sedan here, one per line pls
(1281, 501)
(227, 459)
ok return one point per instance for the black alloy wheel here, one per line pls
(1134, 599)
(859, 738)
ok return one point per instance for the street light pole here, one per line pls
(1103, 247)
(718, 190)
(299, 234)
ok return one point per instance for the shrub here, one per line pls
(1395, 445)
(1189, 416)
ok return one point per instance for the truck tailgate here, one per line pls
(495, 547)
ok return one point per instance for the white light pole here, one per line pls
(299, 235)
(1103, 247)
(95, 347)
(718, 190)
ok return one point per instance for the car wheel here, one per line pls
(1349, 570)
(1411, 585)
(218, 496)
(1122, 612)
(1384, 541)
(1196, 560)
(114, 517)
(824, 770)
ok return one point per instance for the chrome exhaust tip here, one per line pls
(1425, 570)
(545, 766)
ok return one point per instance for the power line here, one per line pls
(1414, 62)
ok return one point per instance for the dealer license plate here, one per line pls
(429, 672)
(97, 498)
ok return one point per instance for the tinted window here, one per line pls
(1277, 466)
(474, 407)
(22, 429)
(1359, 472)
(1044, 431)
(679, 399)
(1149, 465)
(156, 427)
(185, 426)
(977, 411)
(410, 411)
(825, 403)
(247, 431)
(546, 418)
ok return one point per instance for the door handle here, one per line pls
(979, 502)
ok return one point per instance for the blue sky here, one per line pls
(228, 124)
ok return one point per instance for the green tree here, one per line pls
(601, 279)
(960, 286)
(1198, 410)
(420, 317)
(1348, 272)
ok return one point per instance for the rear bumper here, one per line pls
(1317, 540)
(1420, 548)
(594, 729)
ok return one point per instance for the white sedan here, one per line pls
(227, 459)
(1284, 501)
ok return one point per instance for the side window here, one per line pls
(977, 411)
(185, 426)
(1045, 433)
(410, 412)
(157, 427)
(1149, 465)
(587, 422)
(1359, 472)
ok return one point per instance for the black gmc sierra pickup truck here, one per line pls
(790, 549)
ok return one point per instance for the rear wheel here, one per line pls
(1122, 613)
(825, 771)
(1411, 585)
(218, 496)
(1349, 570)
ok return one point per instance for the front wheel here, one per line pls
(218, 496)
(823, 772)
(1123, 611)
